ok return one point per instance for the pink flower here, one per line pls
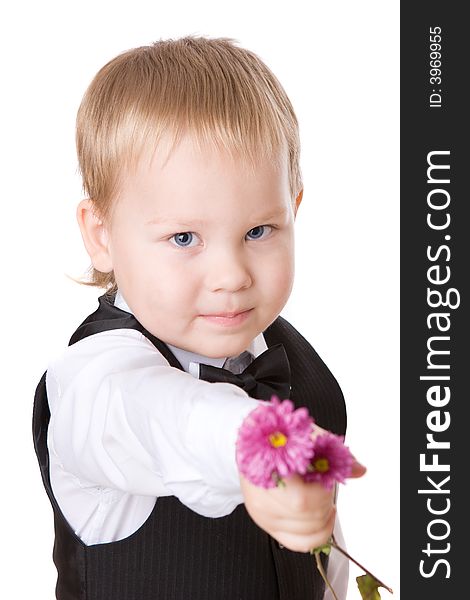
(332, 461)
(274, 441)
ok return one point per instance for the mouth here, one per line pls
(228, 319)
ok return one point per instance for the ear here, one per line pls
(298, 200)
(95, 236)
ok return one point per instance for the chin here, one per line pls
(223, 350)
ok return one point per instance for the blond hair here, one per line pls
(221, 94)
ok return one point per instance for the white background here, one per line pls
(338, 62)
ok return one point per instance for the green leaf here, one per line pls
(278, 480)
(326, 549)
(368, 587)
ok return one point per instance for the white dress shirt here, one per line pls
(127, 428)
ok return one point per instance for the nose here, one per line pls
(229, 270)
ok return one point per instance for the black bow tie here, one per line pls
(267, 375)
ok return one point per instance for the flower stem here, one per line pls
(380, 583)
(323, 574)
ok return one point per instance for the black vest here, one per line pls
(177, 554)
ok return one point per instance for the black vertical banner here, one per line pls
(435, 268)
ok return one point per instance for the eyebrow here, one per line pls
(175, 222)
(266, 217)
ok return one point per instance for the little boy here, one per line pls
(189, 153)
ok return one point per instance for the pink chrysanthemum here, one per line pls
(274, 441)
(332, 461)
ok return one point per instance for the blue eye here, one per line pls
(183, 239)
(258, 232)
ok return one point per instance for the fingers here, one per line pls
(317, 430)
(302, 497)
(299, 515)
(357, 470)
(314, 524)
(305, 541)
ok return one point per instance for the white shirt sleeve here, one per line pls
(122, 418)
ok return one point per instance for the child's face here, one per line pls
(203, 248)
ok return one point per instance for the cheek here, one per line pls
(284, 280)
(175, 283)
(123, 266)
(278, 275)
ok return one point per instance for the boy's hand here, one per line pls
(299, 515)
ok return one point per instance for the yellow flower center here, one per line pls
(277, 439)
(321, 465)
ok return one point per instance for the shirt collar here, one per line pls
(190, 360)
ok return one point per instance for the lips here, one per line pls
(228, 315)
(228, 319)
